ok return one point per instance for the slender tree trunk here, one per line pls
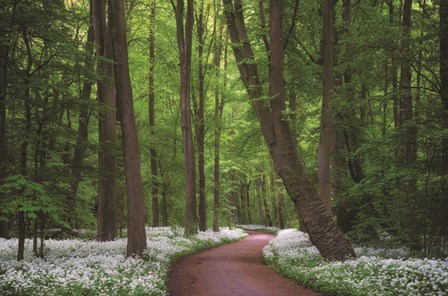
(258, 187)
(219, 107)
(323, 230)
(327, 134)
(131, 151)
(184, 41)
(107, 225)
(83, 125)
(443, 13)
(152, 148)
(268, 221)
(201, 121)
(27, 136)
(410, 145)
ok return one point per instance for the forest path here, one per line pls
(231, 270)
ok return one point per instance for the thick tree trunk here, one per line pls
(107, 217)
(152, 148)
(184, 41)
(131, 150)
(327, 134)
(323, 230)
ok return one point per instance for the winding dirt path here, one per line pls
(231, 270)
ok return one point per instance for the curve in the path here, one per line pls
(231, 270)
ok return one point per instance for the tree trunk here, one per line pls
(410, 145)
(327, 135)
(131, 150)
(268, 221)
(201, 121)
(443, 13)
(258, 185)
(323, 230)
(184, 41)
(219, 107)
(4, 61)
(152, 148)
(83, 125)
(27, 135)
(107, 225)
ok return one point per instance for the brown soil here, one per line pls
(231, 270)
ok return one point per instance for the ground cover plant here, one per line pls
(75, 267)
(374, 272)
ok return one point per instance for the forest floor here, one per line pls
(231, 270)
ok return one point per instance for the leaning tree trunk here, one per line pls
(131, 152)
(323, 231)
(107, 225)
(184, 42)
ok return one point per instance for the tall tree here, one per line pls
(443, 52)
(107, 226)
(201, 22)
(83, 122)
(327, 135)
(131, 151)
(184, 42)
(152, 148)
(4, 67)
(323, 230)
(406, 106)
(219, 107)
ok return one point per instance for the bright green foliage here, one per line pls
(23, 195)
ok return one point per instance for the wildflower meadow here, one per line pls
(375, 271)
(75, 267)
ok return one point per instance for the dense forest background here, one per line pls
(366, 97)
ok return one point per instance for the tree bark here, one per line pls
(131, 150)
(323, 230)
(219, 107)
(327, 135)
(268, 221)
(258, 185)
(184, 42)
(443, 47)
(410, 142)
(107, 225)
(201, 121)
(152, 148)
